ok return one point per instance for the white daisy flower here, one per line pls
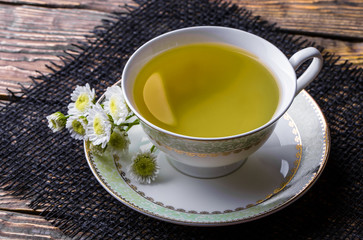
(99, 126)
(144, 168)
(77, 126)
(82, 98)
(115, 104)
(119, 141)
(56, 121)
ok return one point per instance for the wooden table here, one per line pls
(34, 32)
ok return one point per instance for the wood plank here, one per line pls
(7, 201)
(31, 37)
(14, 225)
(341, 19)
(104, 6)
(18, 221)
(348, 51)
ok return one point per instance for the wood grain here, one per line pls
(15, 225)
(18, 221)
(103, 6)
(31, 37)
(342, 19)
(7, 201)
(348, 51)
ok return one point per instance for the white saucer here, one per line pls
(283, 169)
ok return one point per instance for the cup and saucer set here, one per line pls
(225, 180)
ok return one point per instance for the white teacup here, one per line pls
(214, 157)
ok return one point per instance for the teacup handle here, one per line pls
(313, 70)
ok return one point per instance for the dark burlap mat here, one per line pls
(51, 170)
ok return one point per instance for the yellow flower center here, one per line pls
(82, 102)
(113, 106)
(97, 125)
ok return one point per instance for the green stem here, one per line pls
(129, 125)
(136, 122)
(130, 116)
(153, 149)
(111, 120)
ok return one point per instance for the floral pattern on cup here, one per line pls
(207, 149)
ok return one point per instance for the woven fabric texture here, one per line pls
(51, 170)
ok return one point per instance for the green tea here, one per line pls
(206, 90)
